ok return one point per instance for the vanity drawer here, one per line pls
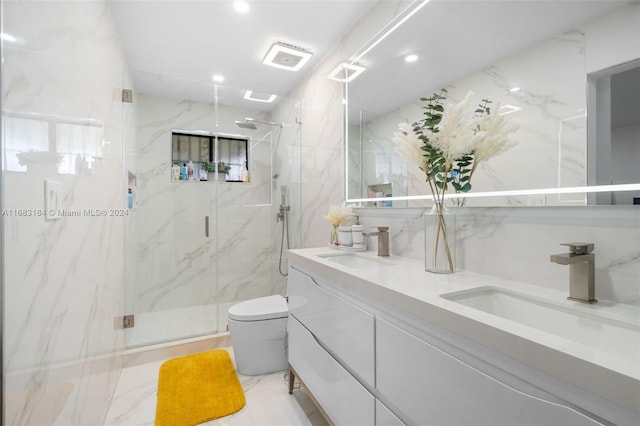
(343, 328)
(426, 383)
(344, 400)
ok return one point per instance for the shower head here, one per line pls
(250, 123)
(246, 125)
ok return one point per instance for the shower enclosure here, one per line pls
(196, 247)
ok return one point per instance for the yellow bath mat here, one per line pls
(197, 388)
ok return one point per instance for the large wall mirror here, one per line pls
(565, 74)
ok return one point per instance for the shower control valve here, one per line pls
(281, 213)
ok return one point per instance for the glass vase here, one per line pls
(334, 235)
(440, 241)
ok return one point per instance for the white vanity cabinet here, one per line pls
(331, 350)
(342, 328)
(366, 361)
(384, 416)
(344, 400)
(431, 386)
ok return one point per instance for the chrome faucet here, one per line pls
(383, 239)
(582, 282)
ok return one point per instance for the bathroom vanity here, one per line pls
(379, 341)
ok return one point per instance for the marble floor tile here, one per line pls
(268, 401)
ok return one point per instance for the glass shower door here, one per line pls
(171, 269)
(197, 247)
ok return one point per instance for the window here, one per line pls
(199, 149)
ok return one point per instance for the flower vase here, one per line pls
(440, 241)
(334, 235)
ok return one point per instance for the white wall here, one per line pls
(63, 283)
(322, 157)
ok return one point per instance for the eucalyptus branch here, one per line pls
(448, 148)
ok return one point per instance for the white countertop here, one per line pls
(404, 284)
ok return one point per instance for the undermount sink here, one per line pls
(355, 260)
(565, 320)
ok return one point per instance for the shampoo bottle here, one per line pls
(245, 173)
(190, 171)
(183, 171)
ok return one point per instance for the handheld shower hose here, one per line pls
(283, 215)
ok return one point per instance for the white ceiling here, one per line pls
(454, 38)
(175, 47)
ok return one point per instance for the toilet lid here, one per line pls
(262, 308)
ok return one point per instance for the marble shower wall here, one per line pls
(176, 265)
(63, 279)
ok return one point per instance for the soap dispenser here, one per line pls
(356, 234)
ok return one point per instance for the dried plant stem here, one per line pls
(442, 227)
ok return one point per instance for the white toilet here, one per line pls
(258, 330)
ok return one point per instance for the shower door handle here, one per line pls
(206, 226)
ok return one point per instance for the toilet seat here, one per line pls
(262, 308)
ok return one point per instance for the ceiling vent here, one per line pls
(286, 56)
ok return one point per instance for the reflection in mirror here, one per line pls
(50, 144)
(613, 97)
(531, 59)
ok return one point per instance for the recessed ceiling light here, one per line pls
(241, 6)
(218, 78)
(411, 58)
(286, 56)
(259, 97)
(346, 72)
(514, 89)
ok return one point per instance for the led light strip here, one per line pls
(544, 191)
(390, 30)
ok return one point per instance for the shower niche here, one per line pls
(197, 157)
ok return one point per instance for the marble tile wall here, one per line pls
(63, 279)
(322, 156)
(515, 243)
